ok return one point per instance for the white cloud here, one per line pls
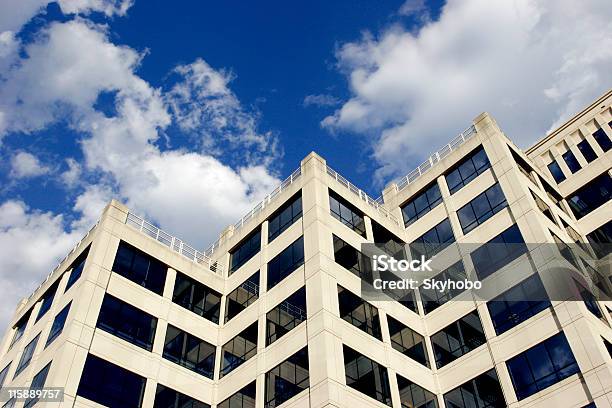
(321, 100)
(72, 176)
(31, 244)
(25, 165)
(531, 63)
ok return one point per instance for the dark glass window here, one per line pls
(140, 268)
(601, 240)
(20, 327)
(366, 376)
(602, 140)
(4, 373)
(467, 170)
(286, 316)
(127, 322)
(199, 298)
(544, 208)
(433, 241)
(542, 366)
(242, 297)
(481, 208)
(245, 398)
(409, 301)
(415, 396)
(239, 349)
(47, 301)
(285, 216)
(110, 385)
(420, 205)
(554, 196)
(525, 168)
(571, 161)
(287, 379)
(593, 195)
(483, 391)
(433, 298)
(458, 339)
(407, 341)
(606, 343)
(556, 172)
(58, 324)
(358, 312)
(245, 250)
(587, 151)
(518, 304)
(346, 213)
(26, 356)
(386, 240)
(189, 351)
(286, 262)
(589, 301)
(348, 257)
(166, 397)
(498, 252)
(76, 269)
(38, 382)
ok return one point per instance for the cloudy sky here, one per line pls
(190, 114)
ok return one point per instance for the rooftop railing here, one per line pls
(362, 195)
(259, 207)
(434, 159)
(172, 242)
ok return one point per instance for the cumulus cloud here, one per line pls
(25, 165)
(72, 175)
(322, 100)
(31, 244)
(531, 63)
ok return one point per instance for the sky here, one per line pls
(191, 114)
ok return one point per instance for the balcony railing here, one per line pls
(362, 195)
(434, 159)
(171, 242)
(259, 207)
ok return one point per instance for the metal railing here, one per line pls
(78, 244)
(434, 159)
(258, 208)
(362, 195)
(172, 242)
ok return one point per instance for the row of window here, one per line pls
(116, 387)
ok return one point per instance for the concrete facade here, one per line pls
(324, 332)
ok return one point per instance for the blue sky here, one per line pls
(190, 114)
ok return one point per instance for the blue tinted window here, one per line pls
(467, 170)
(189, 351)
(556, 172)
(346, 213)
(571, 161)
(287, 379)
(433, 241)
(20, 327)
(166, 397)
(26, 356)
(602, 140)
(4, 373)
(481, 208)
(458, 339)
(483, 391)
(284, 217)
(38, 382)
(286, 262)
(77, 269)
(421, 204)
(590, 197)
(366, 376)
(498, 252)
(140, 268)
(359, 313)
(245, 250)
(587, 151)
(196, 297)
(110, 385)
(601, 239)
(47, 301)
(518, 304)
(542, 366)
(127, 322)
(286, 316)
(239, 349)
(433, 298)
(58, 324)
